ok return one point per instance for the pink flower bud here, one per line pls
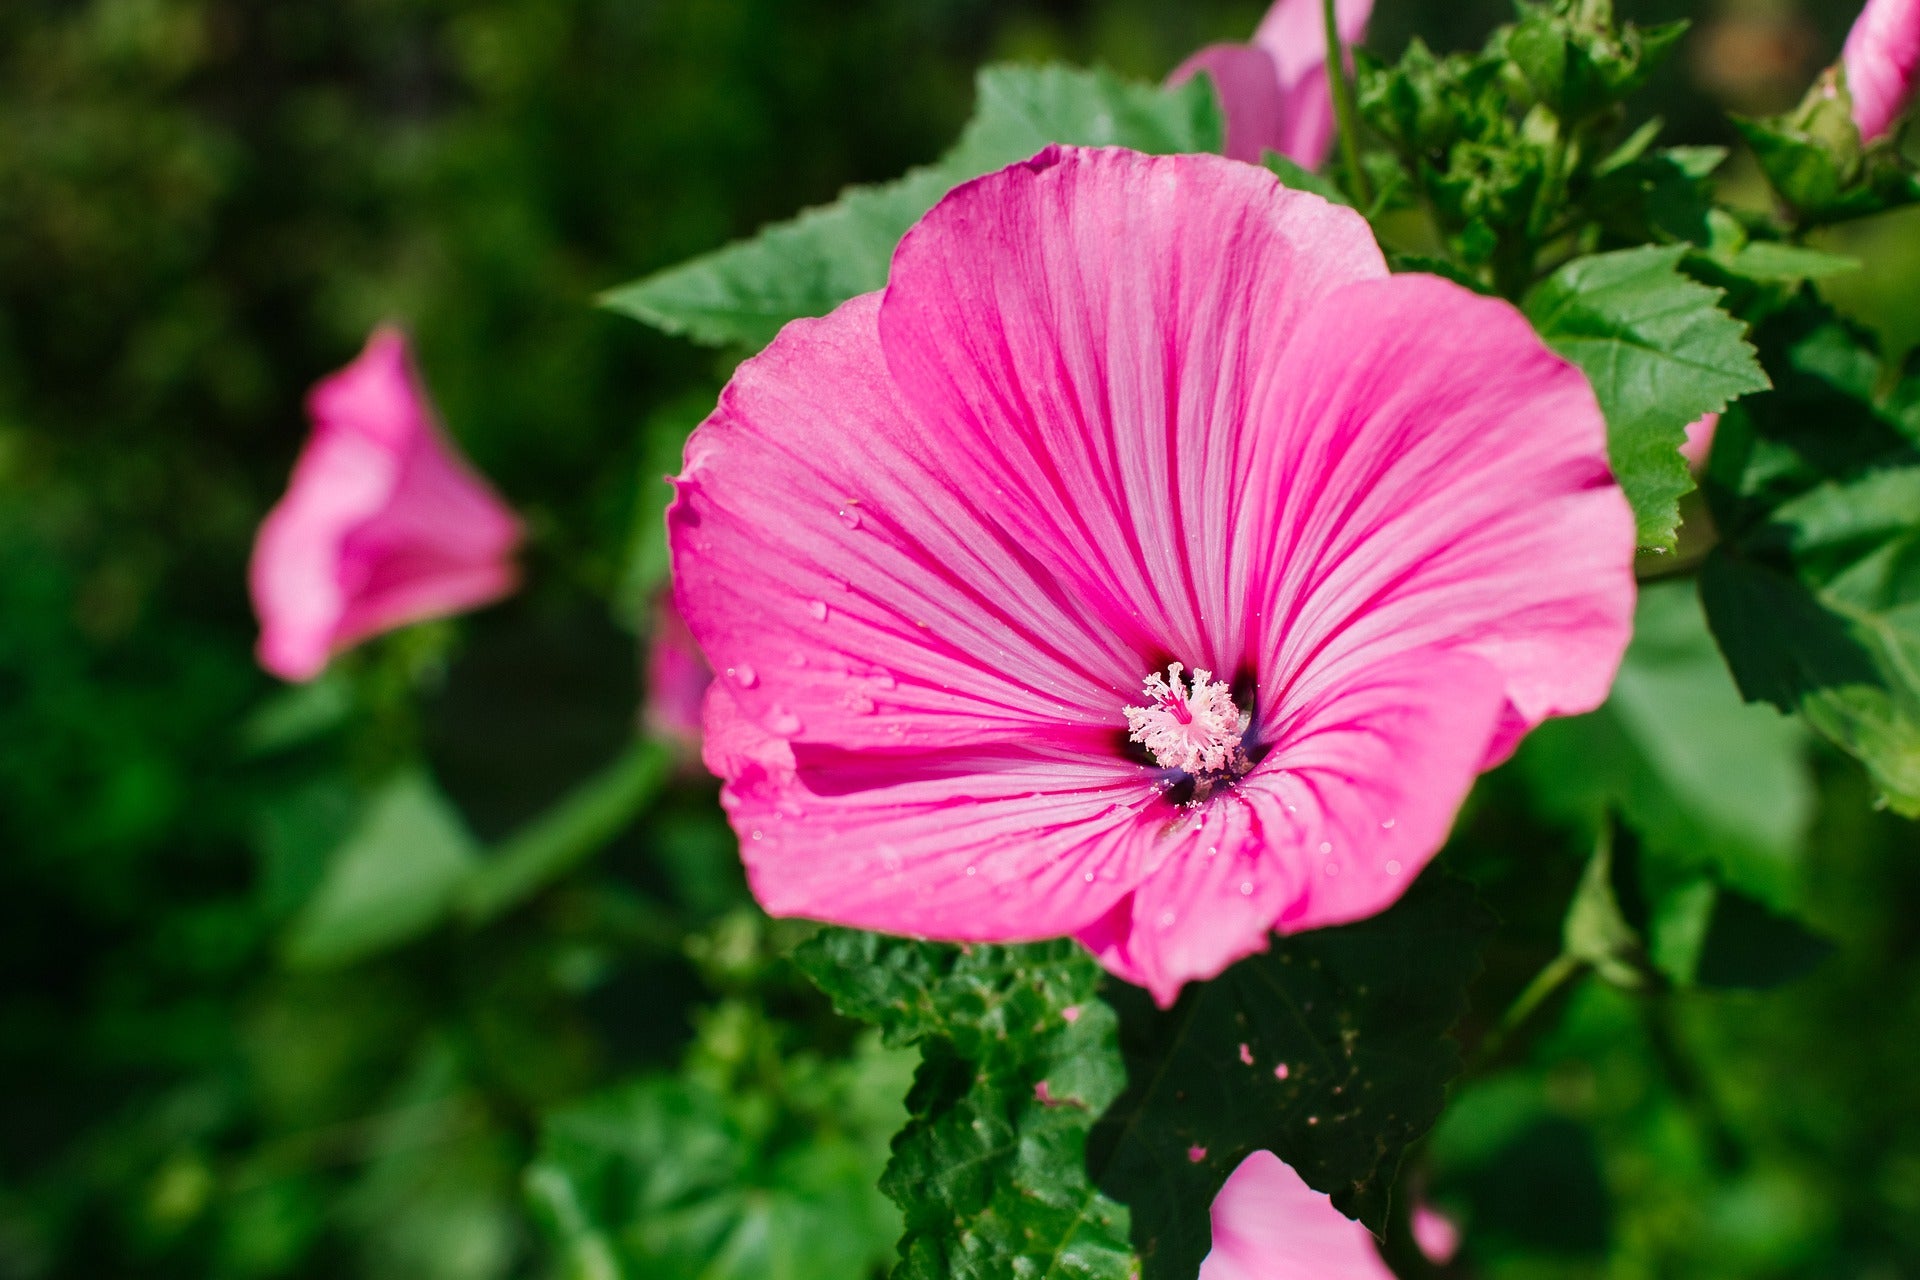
(1882, 59)
(677, 678)
(383, 523)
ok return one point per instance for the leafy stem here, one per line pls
(1345, 110)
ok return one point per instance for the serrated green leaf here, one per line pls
(744, 293)
(1709, 781)
(1332, 1050)
(391, 880)
(1019, 1057)
(1660, 353)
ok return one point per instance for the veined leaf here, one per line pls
(1660, 353)
(744, 293)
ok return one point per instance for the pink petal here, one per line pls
(1249, 87)
(1295, 33)
(1270, 1225)
(1086, 336)
(382, 525)
(1699, 442)
(1437, 478)
(677, 678)
(1436, 1235)
(1882, 59)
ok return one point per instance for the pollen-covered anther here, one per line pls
(1191, 725)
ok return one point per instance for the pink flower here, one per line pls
(383, 524)
(1270, 1225)
(1275, 92)
(1143, 564)
(1435, 1234)
(1882, 59)
(677, 679)
(1699, 441)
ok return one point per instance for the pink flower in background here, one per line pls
(383, 523)
(677, 678)
(1882, 59)
(1144, 564)
(1699, 441)
(1436, 1235)
(1275, 92)
(1270, 1225)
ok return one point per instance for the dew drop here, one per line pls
(1246, 888)
(1088, 877)
(1281, 1072)
(1246, 1054)
(817, 608)
(1388, 824)
(1333, 868)
(756, 835)
(1326, 846)
(1166, 919)
(783, 723)
(746, 675)
(1393, 867)
(972, 870)
(797, 658)
(1213, 850)
(849, 517)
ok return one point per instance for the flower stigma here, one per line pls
(1193, 726)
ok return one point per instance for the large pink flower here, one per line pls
(383, 524)
(1270, 1225)
(1143, 564)
(1275, 92)
(1882, 58)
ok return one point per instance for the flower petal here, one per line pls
(1332, 827)
(1294, 35)
(1882, 59)
(1250, 99)
(1268, 1224)
(1433, 477)
(1086, 334)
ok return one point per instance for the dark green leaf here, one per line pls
(1660, 353)
(744, 293)
(1331, 1050)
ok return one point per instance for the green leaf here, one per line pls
(1660, 353)
(1814, 595)
(391, 880)
(1300, 178)
(1019, 1056)
(1607, 917)
(1815, 160)
(1332, 1050)
(1707, 780)
(744, 293)
(726, 1172)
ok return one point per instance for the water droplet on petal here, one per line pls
(756, 835)
(849, 517)
(972, 870)
(1388, 824)
(1333, 868)
(782, 722)
(818, 608)
(746, 675)
(1326, 846)
(1088, 877)
(1166, 919)
(1246, 888)
(1213, 850)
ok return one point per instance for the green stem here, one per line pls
(1563, 969)
(568, 834)
(1345, 111)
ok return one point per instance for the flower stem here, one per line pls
(1345, 110)
(1558, 973)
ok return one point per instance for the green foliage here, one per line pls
(743, 294)
(752, 1164)
(1660, 354)
(1819, 165)
(1814, 595)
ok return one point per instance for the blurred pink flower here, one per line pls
(1275, 91)
(1436, 1234)
(1270, 1225)
(677, 678)
(382, 525)
(1882, 59)
(1143, 564)
(1699, 441)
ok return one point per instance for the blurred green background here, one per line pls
(204, 206)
